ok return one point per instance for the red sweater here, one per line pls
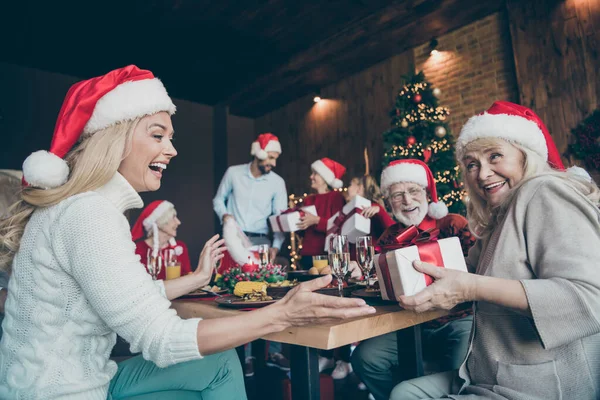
(326, 204)
(141, 248)
(379, 223)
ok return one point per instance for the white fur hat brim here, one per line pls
(262, 154)
(128, 101)
(157, 213)
(405, 172)
(511, 128)
(328, 176)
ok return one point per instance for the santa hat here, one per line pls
(517, 124)
(418, 172)
(265, 143)
(146, 222)
(331, 171)
(89, 106)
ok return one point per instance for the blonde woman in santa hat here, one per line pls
(76, 280)
(534, 281)
(155, 231)
(325, 177)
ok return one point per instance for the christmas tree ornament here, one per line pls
(417, 98)
(404, 123)
(440, 131)
(397, 112)
(437, 92)
(411, 140)
(427, 155)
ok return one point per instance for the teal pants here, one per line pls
(376, 360)
(215, 377)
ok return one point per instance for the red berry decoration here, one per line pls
(417, 98)
(411, 140)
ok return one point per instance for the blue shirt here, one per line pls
(251, 200)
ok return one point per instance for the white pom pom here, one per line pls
(337, 184)
(45, 170)
(437, 210)
(178, 250)
(579, 172)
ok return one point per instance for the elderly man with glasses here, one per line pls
(410, 192)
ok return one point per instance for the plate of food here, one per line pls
(247, 301)
(206, 291)
(279, 289)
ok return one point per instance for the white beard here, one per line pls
(414, 219)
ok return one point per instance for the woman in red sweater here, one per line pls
(326, 175)
(155, 230)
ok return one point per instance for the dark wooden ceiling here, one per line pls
(252, 55)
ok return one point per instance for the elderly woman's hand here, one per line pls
(451, 287)
(301, 306)
(211, 253)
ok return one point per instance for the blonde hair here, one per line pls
(92, 163)
(482, 218)
(371, 189)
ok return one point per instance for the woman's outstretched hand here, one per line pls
(302, 306)
(450, 287)
(211, 253)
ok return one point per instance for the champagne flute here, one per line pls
(339, 259)
(153, 264)
(365, 253)
(263, 255)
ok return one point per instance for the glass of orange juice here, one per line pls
(320, 262)
(173, 266)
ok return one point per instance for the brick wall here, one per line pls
(473, 67)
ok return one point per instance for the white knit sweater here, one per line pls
(76, 281)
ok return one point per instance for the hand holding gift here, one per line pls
(450, 287)
(292, 219)
(307, 221)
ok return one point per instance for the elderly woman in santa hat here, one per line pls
(534, 278)
(76, 281)
(155, 231)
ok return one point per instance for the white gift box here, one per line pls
(353, 227)
(289, 222)
(404, 278)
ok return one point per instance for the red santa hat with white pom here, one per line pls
(415, 171)
(331, 171)
(146, 222)
(518, 124)
(265, 143)
(89, 106)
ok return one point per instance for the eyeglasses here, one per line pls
(413, 192)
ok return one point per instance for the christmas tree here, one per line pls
(419, 130)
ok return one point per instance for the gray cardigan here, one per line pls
(550, 241)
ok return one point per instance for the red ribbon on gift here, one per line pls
(339, 221)
(288, 211)
(427, 246)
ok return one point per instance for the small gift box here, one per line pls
(349, 221)
(288, 220)
(397, 276)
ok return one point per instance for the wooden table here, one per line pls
(308, 339)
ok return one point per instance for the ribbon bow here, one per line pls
(410, 236)
(341, 219)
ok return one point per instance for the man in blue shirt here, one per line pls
(251, 193)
